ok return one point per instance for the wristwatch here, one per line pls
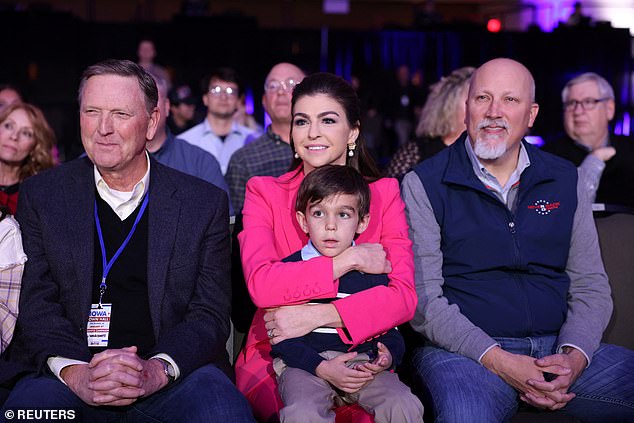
(168, 369)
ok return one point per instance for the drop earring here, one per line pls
(296, 156)
(351, 148)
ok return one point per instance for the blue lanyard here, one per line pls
(107, 265)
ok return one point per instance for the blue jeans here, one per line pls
(206, 395)
(459, 389)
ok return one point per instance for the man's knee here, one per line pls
(207, 394)
(457, 389)
(41, 392)
(211, 379)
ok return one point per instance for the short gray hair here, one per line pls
(605, 89)
(124, 68)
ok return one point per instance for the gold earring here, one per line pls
(351, 148)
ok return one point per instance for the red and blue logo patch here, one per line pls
(544, 207)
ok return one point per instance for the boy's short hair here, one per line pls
(331, 180)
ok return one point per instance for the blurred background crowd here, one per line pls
(390, 50)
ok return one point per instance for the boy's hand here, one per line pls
(383, 361)
(341, 376)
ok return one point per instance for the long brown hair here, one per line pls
(41, 157)
(339, 90)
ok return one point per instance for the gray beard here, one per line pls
(489, 151)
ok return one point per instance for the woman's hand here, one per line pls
(367, 258)
(341, 376)
(294, 321)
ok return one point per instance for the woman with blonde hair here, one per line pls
(26, 145)
(441, 122)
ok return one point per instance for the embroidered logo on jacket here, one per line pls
(543, 207)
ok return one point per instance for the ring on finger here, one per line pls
(270, 333)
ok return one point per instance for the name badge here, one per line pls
(99, 325)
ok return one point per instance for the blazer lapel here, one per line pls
(79, 197)
(163, 214)
(294, 236)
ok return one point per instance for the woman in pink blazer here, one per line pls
(325, 130)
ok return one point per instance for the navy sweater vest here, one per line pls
(131, 323)
(505, 271)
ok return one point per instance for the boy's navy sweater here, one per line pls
(303, 352)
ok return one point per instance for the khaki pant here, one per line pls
(308, 398)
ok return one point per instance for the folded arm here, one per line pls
(272, 283)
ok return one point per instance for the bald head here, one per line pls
(510, 66)
(500, 107)
(277, 102)
(283, 69)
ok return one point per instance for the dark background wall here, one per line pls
(45, 51)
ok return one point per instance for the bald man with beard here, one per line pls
(513, 296)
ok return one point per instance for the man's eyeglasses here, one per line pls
(586, 104)
(274, 85)
(218, 90)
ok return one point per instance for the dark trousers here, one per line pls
(206, 395)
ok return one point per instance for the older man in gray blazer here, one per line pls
(126, 294)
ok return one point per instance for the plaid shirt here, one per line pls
(412, 153)
(12, 259)
(267, 155)
(404, 160)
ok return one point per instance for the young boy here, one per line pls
(317, 371)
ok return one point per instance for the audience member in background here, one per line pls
(332, 207)
(146, 53)
(218, 133)
(325, 130)
(124, 310)
(241, 117)
(182, 109)
(12, 259)
(372, 129)
(420, 92)
(577, 18)
(8, 94)
(441, 122)
(400, 104)
(270, 154)
(179, 154)
(513, 296)
(605, 161)
(26, 148)
(426, 16)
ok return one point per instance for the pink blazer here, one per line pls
(271, 233)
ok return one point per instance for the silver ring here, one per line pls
(270, 333)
